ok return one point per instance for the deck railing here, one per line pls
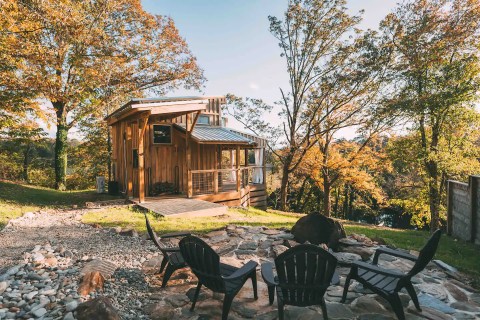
(215, 181)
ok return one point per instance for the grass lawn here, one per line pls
(16, 199)
(462, 255)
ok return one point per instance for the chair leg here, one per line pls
(397, 306)
(271, 294)
(168, 274)
(345, 288)
(164, 264)
(254, 285)
(324, 309)
(281, 315)
(195, 297)
(227, 303)
(413, 295)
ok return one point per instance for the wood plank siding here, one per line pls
(168, 162)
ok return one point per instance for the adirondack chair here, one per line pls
(218, 277)
(387, 283)
(172, 258)
(304, 273)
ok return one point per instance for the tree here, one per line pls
(78, 56)
(457, 157)
(309, 37)
(22, 141)
(436, 71)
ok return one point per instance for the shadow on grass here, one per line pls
(25, 195)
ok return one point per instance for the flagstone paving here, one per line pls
(44, 256)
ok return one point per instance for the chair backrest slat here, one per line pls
(304, 274)
(426, 253)
(204, 262)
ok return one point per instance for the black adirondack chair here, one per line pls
(218, 277)
(387, 283)
(304, 273)
(172, 258)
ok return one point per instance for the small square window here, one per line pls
(162, 134)
(203, 119)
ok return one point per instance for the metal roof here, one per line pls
(204, 134)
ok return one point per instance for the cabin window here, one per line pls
(162, 134)
(203, 119)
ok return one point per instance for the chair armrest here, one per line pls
(376, 269)
(175, 234)
(243, 271)
(267, 274)
(393, 252)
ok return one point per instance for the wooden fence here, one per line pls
(463, 211)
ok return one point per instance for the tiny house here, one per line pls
(182, 147)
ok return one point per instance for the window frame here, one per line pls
(163, 125)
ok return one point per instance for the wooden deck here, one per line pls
(182, 207)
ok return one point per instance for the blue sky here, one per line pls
(233, 45)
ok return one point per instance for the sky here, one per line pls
(233, 45)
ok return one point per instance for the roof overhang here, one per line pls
(171, 108)
(217, 135)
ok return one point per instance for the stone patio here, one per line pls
(441, 296)
(43, 283)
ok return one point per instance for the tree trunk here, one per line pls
(434, 195)
(335, 205)
(284, 185)
(61, 147)
(327, 206)
(26, 162)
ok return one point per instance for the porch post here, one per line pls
(264, 167)
(215, 172)
(142, 125)
(188, 156)
(237, 164)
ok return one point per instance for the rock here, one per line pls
(434, 290)
(367, 304)
(317, 228)
(29, 215)
(69, 316)
(278, 250)
(429, 313)
(71, 306)
(455, 291)
(38, 257)
(203, 295)
(434, 303)
(100, 308)
(465, 306)
(248, 245)
(39, 312)
(346, 258)
(271, 232)
(91, 281)
(129, 233)
(339, 311)
(160, 311)
(177, 300)
(106, 268)
(3, 286)
(363, 252)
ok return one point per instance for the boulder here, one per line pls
(100, 308)
(317, 228)
(91, 281)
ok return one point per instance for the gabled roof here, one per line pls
(208, 134)
(173, 106)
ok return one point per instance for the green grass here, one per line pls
(16, 199)
(132, 218)
(462, 255)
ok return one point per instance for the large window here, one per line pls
(162, 134)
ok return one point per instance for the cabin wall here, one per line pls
(163, 163)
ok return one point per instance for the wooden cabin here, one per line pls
(182, 147)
